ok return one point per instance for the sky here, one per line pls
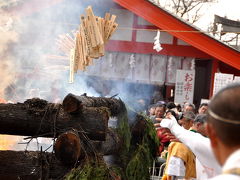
(228, 8)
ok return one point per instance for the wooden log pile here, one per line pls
(79, 133)
(80, 128)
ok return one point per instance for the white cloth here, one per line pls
(200, 170)
(176, 167)
(232, 162)
(198, 144)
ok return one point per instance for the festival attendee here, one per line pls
(223, 126)
(203, 108)
(151, 110)
(187, 119)
(159, 113)
(199, 127)
(181, 161)
(171, 106)
(199, 124)
(189, 107)
(169, 113)
(198, 144)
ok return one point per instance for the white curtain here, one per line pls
(146, 68)
(142, 68)
(158, 69)
(173, 64)
(187, 63)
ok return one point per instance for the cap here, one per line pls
(189, 115)
(202, 118)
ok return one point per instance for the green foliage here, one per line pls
(143, 156)
(93, 171)
(137, 168)
(135, 158)
(150, 137)
(124, 132)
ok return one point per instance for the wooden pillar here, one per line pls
(215, 69)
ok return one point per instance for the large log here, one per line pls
(36, 117)
(30, 165)
(68, 147)
(73, 103)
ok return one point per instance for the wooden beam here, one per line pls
(146, 48)
(215, 68)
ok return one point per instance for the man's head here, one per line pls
(171, 105)
(203, 108)
(151, 110)
(189, 107)
(199, 124)
(223, 122)
(187, 120)
(160, 111)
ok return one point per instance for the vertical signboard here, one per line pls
(221, 80)
(184, 87)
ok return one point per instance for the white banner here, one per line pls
(221, 80)
(184, 87)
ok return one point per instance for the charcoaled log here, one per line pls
(68, 147)
(36, 117)
(138, 128)
(30, 165)
(73, 103)
(111, 145)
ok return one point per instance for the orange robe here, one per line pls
(179, 150)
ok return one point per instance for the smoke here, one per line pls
(28, 71)
(27, 37)
(7, 38)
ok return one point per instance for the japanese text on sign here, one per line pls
(184, 88)
(221, 80)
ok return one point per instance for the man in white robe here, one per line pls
(223, 127)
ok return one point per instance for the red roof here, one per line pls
(164, 20)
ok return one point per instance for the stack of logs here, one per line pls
(78, 122)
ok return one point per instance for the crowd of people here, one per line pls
(202, 143)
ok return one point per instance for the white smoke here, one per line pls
(7, 38)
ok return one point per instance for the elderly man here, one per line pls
(187, 119)
(223, 129)
(189, 107)
(203, 108)
(199, 124)
(159, 113)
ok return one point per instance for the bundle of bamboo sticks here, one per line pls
(93, 34)
(66, 42)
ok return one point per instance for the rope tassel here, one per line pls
(157, 46)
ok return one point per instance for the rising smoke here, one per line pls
(8, 37)
(30, 36)
(25, 43)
